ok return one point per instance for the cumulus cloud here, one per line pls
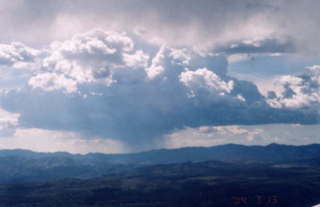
(298, 91)
(15, 53)
(112, 85)
(17, 62)
(18, 56)
(205, 81)
(92, 57)
(52, 82)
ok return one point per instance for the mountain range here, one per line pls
(219, 176)
(24, 165)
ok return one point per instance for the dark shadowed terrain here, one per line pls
(222, 176)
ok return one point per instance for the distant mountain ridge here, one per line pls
(24, 165)
(226, 153)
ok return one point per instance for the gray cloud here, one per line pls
(265, 46)
(280, 26)
(100, 84)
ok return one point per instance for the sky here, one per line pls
(125, 76)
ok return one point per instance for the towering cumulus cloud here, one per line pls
(104, 84)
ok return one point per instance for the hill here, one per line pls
(24, 165)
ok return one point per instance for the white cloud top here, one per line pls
(204, 80)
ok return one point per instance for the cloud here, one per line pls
(291, 134)
(112, 85)
(207, 82)
(16, 56)
(167, 72)
(8, 122)
(41, 140)
(299, 91)
(168, 19)
(53, 81)
(260, 46)
(16, 53)
(207, 23)
(92, 57)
